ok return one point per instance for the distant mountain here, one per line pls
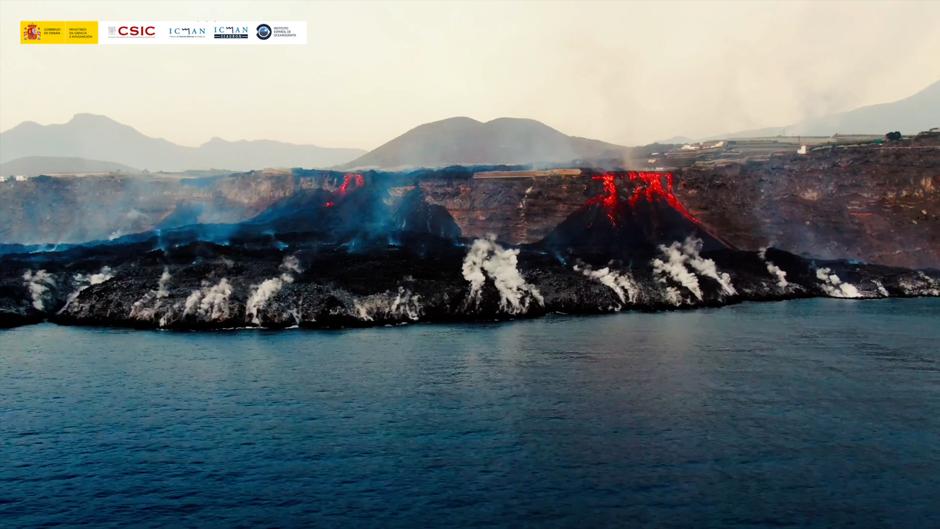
(910, 115)
(37, 165)
(466, 141)
(101, 138)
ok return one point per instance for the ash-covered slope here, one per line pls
(351, 254)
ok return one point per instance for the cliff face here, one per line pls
(873, 203)
(878, 204)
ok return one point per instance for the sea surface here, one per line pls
(812, 413)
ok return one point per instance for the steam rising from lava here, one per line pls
(262, 293)
(621, 283)
(835, 287)
(147, 307)
(210, 303)
(673, 266)
(406, 305)
(38, 283)
(83, 281)
(774, 270)
(488, 259)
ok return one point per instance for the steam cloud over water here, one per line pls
(485, 259)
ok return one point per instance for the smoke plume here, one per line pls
(404, 306)
(83, 281)
(774, 270)
(147, 307)
(488, 259)
(673, 266)
(835, 287)
(38, 283)
(264, 292)
(621, 283)
(210, 302)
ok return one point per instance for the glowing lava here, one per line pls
(610, 198)
(648, 185)
(351, 179)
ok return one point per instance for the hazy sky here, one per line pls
(627, 73)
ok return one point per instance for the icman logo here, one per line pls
(137, 31)
(32, 32)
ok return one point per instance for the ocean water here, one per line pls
(812, 413)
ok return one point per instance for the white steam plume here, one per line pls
(405, 305)
(488, 259)
(835, 287)
(674, 267)
(264, 292)
(706, 267)
(777, 272)
(774, 270)
(210, 302)
(621, 283)
(38, 283)
(83, 281)
(147, 307)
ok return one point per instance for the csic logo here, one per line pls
(264, 31)
(144, 32)
(32, 32)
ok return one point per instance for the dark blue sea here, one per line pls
(814, 413)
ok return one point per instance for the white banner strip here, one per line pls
(202, 33)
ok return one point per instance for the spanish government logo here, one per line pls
(32, 32)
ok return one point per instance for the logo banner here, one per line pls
(143, 32)
(59, 32)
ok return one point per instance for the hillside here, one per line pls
(466, 141)
(97, 137)
(910, 115)
(37, 165)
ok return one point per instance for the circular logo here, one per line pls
(264, 31)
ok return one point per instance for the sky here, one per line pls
(628, 73)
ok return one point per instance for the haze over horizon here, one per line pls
(624, 73)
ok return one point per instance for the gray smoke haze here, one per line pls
(623, 72)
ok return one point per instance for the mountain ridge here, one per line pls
(909, 115)
(98, 137)
(462, 140)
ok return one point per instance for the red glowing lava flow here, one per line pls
(610, 198)
(649, 185)
(354, 179)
